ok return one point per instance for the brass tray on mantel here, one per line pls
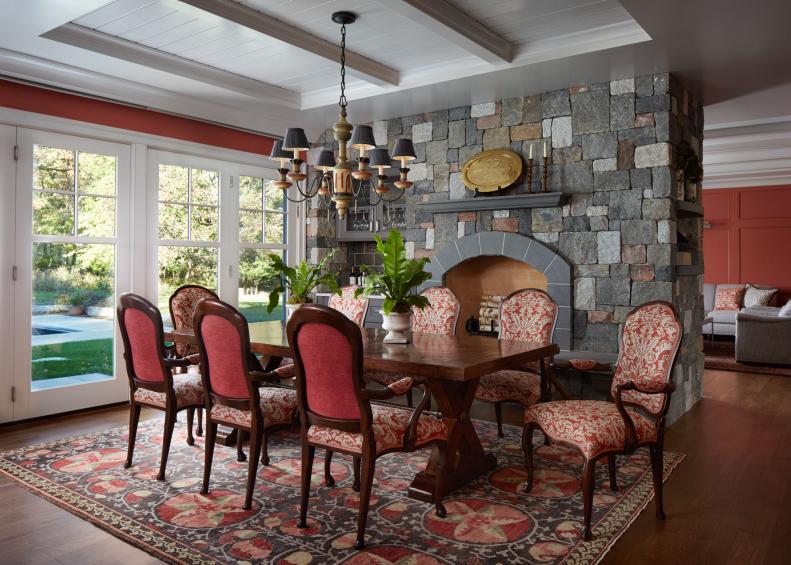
(491, 170)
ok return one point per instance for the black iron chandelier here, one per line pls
(342, 179)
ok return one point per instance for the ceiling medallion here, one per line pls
(341, 178)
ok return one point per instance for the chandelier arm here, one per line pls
(316, 181)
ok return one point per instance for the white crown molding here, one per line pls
(746, 154)
(98, 42)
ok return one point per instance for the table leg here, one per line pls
(465, 457)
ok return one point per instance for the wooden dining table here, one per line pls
(451, 365)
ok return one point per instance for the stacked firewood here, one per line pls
(489, 314)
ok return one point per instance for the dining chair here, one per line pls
(237, 392)
(356, 309)
(336, 412)
(528, 314)
(438, 318)
(633, 417)
(150, 372)
(182, 305)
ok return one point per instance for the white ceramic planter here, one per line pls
(291, 308)
(397, 326)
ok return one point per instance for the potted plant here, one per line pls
(300, 281)
(79, 299)
(397, 283)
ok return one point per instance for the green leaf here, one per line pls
(274, 299)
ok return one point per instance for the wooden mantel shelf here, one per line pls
(534, 200)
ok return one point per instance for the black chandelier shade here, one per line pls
(363, 138)
(403, 149)
(380, 158)
(326, 160)
(296, 140)
(277, 151)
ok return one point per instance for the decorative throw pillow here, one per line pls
(729, 298)
(758, 295)
(785, 310)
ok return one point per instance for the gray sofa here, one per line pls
(762, 336)
(724, 320)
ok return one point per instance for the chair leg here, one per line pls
(199, 429)
(439, 486)
(308, 452)
(588, 483)
(264, 448)
(170, 423)
(211, 438)
(498, 414)
(657, 455)
(356, 469)
(368, 462)
(256, 433)
(240, 456)
(611, 469)
(527, 449)
(409, 398)
(190, 419)
(134, 418)
(328, 478)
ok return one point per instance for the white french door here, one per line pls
(72, 257)
(7, 212)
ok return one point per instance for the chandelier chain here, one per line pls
(342, 101)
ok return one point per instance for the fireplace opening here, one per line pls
(481, 282)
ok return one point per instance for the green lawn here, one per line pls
(252, 306)
(81, 358)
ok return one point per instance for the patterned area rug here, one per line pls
(489, 521)
(721, 356)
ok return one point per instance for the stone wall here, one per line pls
(613, 153)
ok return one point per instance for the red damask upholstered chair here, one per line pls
(525, 315)
(353, 308)
(151, 379)
(182, 305)
(233, 382)
(641, 390)
(438, 318)
(335, 408)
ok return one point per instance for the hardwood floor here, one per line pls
(728, 502)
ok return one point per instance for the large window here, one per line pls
(263, 229)
(216, 222)
(188, 228)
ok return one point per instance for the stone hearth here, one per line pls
(624, 203)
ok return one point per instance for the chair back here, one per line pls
(351, 307)
(649, 344)
(182, 306)
(224, 346)
(327, 350)
(440, 316)
(140, 323)
(528, 314)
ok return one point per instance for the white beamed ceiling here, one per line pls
(202, 59)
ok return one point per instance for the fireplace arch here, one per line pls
(516, 247)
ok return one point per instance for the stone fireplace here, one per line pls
(500, 263)
(606, 236)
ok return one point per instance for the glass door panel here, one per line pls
(71, 242)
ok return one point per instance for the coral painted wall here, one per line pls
(749, 238)
(72, 106)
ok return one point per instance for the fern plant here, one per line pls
(300, 280)
(399, 276)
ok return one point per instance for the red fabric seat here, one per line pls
(593, 426)
(188, 389)
(389, 427)
(510, 385)
(279, 406)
